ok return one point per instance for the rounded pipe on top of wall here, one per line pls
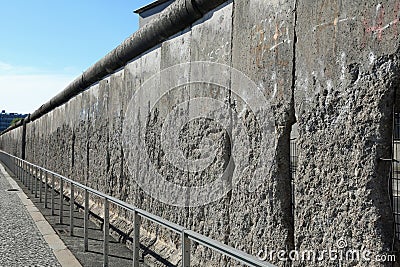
(175, 18)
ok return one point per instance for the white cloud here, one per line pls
(26, 93)
(5, 67)
(23, 89)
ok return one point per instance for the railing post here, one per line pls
(30, 174)
(16, 168)
(85, 221)
(61, 200)
(136, 239)
(24, 173)
(20, 170)
(36, 182)
(31, 178)
(106, 228)
(14, 161)
(52, 194)
(46, 188)
(185, 250)
(71, 210)
(40, 185)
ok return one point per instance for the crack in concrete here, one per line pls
(292, 118)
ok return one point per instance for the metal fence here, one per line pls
(40, 181)
(396, 173)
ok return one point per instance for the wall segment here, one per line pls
(331, 66)
(347, 75)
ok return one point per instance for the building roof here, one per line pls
(150, 6)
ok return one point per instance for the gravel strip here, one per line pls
(21, 242)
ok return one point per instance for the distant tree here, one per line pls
(14, 121)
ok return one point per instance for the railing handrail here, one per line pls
(194, 236)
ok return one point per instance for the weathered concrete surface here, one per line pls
(212, 219)
(12, 142)
(347, 70)
(333, 66)
(263, 50)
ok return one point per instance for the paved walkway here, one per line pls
(30, 248)
(26, 238)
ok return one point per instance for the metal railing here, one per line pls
(31, 176)
(396, 174)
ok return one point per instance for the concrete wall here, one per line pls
(12, 142)
(330, 65)
(347, 72)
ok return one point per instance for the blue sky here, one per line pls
(45, 44)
